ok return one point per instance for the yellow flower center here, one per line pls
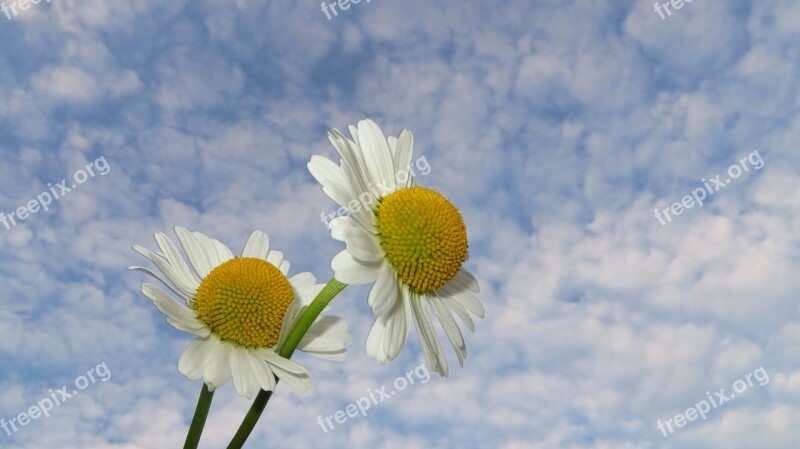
(244, 300)
(424, 237)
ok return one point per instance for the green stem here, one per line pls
(199, 420)
(286, 350)
(331, 289)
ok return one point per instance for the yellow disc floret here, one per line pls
(244, 300)
(424, 237)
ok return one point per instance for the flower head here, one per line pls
(410, 240)
(240, 310)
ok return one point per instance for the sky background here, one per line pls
(557, 127)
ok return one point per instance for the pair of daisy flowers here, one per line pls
(409, 241)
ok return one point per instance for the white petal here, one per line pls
(351, 271)
(354, 181)
(465, 279)
(392, 141)
(177, 315)
(297, 382)
(195, 251)
(284, 267)
(468, 300)
(402, 157)
(305, 290)
(389, 332)
(275, 258)
(262, 373)
(257, 245)
(351, 158)
(377, 156)
(244, 380)
(384, 293)
(276, 361)
(223, 252)
(434, 358)
(341, 194)
(326, 171)
(295, 311)
(339, 224)
(368, 197)
(364, 216)
(304, 279)
(217, 252)
(374, 345)
(396, 332)
(306, 294)
(175, 259)
(338, 184)
(193, 360)
(293, 374)
(356, 168)
(363, 246)
(354, 133)
(218, 365)
(450, 328)
(171, 273)
(342, 146)
(327, 334)
(334, 356)
(171, 288)
(459, 310)
(184, 284)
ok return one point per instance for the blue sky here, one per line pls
(557, 127)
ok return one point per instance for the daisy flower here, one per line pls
(410, 240)
(240, 309)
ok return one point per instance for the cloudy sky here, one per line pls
(557, 127)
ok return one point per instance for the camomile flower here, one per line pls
(240, 309)
(410, 240)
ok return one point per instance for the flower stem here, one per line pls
(332, 288)
(199, 420)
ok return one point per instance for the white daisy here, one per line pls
(240, 309)
(411, 241)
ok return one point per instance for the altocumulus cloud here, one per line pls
(557, 127)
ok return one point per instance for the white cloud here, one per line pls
(556, 127)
